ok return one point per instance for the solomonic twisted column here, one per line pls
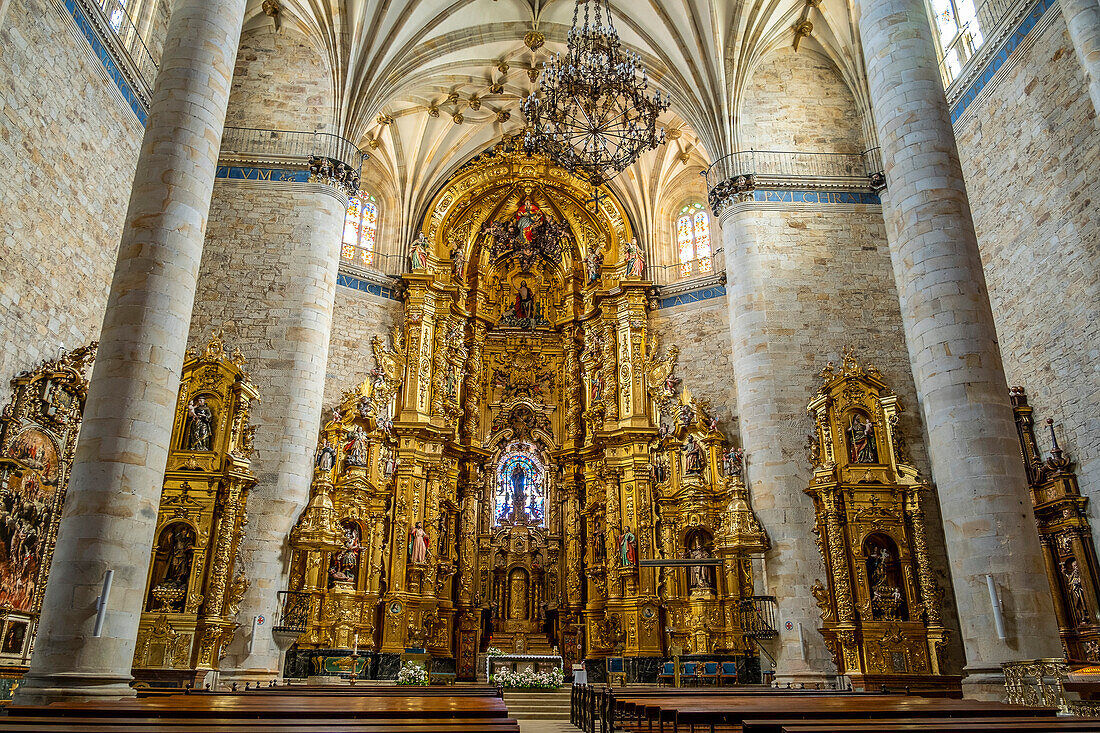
(111, 508)
(1083, 20)
(989, 525)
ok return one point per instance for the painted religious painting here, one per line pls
(26, 509)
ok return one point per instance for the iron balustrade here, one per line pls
(664, 275)
(120, 23)
(290, 145)
(293, 611)
(972, 36)
(758, 616)
(790, 166)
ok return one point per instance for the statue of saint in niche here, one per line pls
(525, 311)
(418, 545)
(628, 548)
(693, 457)
(356, 448)
(700, 574)
(861, 440)
(418, 257)
(519, 495)
(200, 431)
(179, 547)
(344, 567)
(525, 302)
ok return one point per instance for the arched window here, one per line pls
(118, 14)
(360, 229)
(960, 34)
(519, 491)
(693, 239)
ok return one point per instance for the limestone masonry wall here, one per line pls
(69, 148)
(702, 331)
(281, 82)
(798, 101)
(1031, 156)
(358, 317)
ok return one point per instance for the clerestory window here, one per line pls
(693, 240)
(959, 32)
(360, 231)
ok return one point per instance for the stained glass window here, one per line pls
(118, 14)
(693, 240)
(960, 34)
(519, 495)
(360, 230)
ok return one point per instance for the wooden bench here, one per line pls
(1028, 725)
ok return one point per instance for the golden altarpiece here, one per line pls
(38, 432)
(195, 584)
(517, 448)
(881, 608)
(1065, 536)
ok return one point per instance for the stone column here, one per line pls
(953, 348)
(111, 509)
(268, 278)
(1083, 19)
(767, 373)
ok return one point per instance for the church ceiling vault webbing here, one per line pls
(519, 446)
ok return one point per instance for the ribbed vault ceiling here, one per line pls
(451, 74)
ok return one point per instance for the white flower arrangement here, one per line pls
(412, 673)
(529, 679)
(494, 652)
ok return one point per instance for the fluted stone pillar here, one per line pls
(952, 342)
(111, 509)
(1083, 19)
(268, 277)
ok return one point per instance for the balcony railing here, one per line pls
(972, 36)
(120, 23)
(791, 167)
(702, 270)
(293, 611)
(286, 146)
(758, 616)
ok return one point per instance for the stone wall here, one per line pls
(702, 331)
(281, 82)
(804, 283)
(1031, 157)
(69, 147)
(798, 101)
(358, 317)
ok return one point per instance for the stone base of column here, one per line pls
(71, 687)
(984, 683)
(248, 676)
(809, 680)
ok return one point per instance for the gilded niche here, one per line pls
(491, 481)
(880, 604)
(195, 584)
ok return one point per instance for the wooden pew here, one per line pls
(1051, 725)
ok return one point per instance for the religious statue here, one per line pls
(519, 500)
(200, 433)
(635, 261)
(451, 382)
(181, 546)
(528, 218)
(599, 546)
(458, 261)
(525, 302)
(628, 548)
(693, 457)
(418, 545)
(1072, 573)
(418, 257)
(344, 566)
(326, 456)
(597, 387)
(861, 440)
(593, 262)
(700, 574)
(734, 462)
(356, 448)
(389, 462)
(658, 471)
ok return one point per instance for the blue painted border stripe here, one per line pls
(242, 173)
(1017, 37)
(132, 98)
(350, 281)
(797, 196)
(697, 296)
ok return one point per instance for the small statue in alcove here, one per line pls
(181, 547)
(693, 457)
(326, 456)
(593, 262)
(356, 448)
(861, 440)
(628, 548)
(200, 433)
(418, 256)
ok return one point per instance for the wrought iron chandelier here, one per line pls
(592, 114)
